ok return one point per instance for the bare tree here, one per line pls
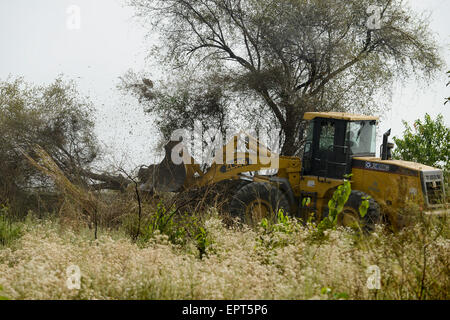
(294, 56)
(58, 119)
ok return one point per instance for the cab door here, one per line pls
(326, 154)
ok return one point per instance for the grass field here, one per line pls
(198, 257)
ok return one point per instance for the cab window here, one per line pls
(309, 137)
(361, 137)
(327, 130)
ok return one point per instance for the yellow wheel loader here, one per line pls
(338, 145)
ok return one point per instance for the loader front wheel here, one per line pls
(350, 216)
(257, 201)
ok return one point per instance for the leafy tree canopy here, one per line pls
(428, 142)
(269, 62)
(57, 118)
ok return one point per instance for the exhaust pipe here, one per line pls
(385, 148)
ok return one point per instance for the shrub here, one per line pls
(56, 117)
(335, 208)
(2, 297)
(278, 234)
(162, 222)
(178, 228)
(9, 230)
(428, 142)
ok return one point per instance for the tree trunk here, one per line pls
(290, 146)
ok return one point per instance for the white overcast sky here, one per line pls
(35, 43)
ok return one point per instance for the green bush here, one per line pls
(163, 222)
(179, 228)
(278, 234)
(9, 230)
(57, 118)
(428, 142)
(2, 297)
(203, 242)
(336, 206)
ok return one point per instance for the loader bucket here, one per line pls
(166, 176)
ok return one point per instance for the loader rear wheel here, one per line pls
(257, 201)
(350, 216)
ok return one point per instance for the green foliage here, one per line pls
(428, 142)
(163, 219)
(203, 242)
(57, 118)
(364, 206)
(306, 202)
(2, 297)
(178, 228)
(284, 224)
(338, 201)
(275, 235)
(328, 292)
(336, 206)
(162, 222)
(9, 231)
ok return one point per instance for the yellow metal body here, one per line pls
(392, 190)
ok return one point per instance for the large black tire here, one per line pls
(258, 200)
(351, 213)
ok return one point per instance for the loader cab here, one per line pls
(333, 139)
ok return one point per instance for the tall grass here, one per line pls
(236, 263)
(173, 254)
(9, 230)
